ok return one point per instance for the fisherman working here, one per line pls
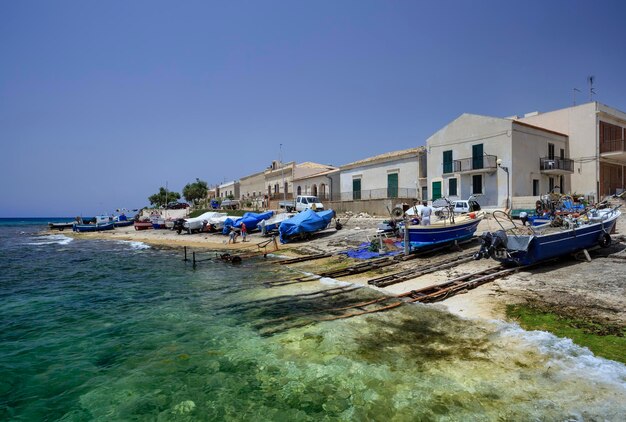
(233, 235)
(425, 214)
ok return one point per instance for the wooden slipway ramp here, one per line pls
(292, 311)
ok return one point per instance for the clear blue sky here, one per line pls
(103, 102)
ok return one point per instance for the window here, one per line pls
(447, 161)
(286, 187)
(561, 184)
(477, 183)
(299, 190)
(562, 154)
(392, 185)
(452, 187)
(535, 187)
(356, 189)
(477, 156)
(551, 151)
(424, 193)
(436, 190)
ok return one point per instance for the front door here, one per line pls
(392, 185)
(356, 189)
(436, 190)
(477, 156)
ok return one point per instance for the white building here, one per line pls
(596, 138)
(396, 174)
(464, 158)
(229, 189)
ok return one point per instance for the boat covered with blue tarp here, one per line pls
(251, 220)
(306, 222)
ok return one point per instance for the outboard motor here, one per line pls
(491, 242)
(178, 225)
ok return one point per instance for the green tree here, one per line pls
(163, 197)
(193, 192)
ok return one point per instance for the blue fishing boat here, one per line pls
(304, 224)
(529, 245)
(102, 222)
(447, 230)
(250, 219)
(98, 227)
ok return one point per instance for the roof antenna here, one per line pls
(574, 94)
(590, 79)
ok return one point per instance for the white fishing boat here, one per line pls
(197, 223)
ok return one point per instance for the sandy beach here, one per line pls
(593, 289)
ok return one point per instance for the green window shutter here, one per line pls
(452, 187)
(447, 161)
(356, 189)
(477, 156)
(436, 190)
(392, 185)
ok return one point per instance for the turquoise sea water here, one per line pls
(113, 330)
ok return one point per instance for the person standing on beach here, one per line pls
(233, 235)
(425, 214)
(244, 232)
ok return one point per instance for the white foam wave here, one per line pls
(135, 245)
(51, 239)
(568, 358)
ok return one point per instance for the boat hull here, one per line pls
(425, 236)
(140, 225)
(60, 226)
(123, 223)
(93, 227)
(553, 245)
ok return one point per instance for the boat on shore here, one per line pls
(445, 230)
(60, 226)
(529, 245)
(143, 225)
(198, 223)
(271, 225)
(303, 224)
(102, 223)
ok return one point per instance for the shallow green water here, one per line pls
(96, 330)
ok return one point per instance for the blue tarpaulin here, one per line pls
(308, 221)
(251, 219)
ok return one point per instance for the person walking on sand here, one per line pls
(233, 235)
(425, 214)
(244, 232)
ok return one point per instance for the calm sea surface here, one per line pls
(106, 330)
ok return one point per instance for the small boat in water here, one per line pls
(563, 236)
(303, 224)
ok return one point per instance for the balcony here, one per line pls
(615, 149)
(479, 164)
(553, 165)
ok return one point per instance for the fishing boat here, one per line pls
(102, 223)
(60, 226)
(197, 223)
(303, 224)
(123, 223)
(520, 245)
(271, 225)
(143, 225)
(250, 219)
(448, 229)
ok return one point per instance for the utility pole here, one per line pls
(590, 79)
(282, 172)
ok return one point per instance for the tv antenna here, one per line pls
(590, 79)
(575, 90)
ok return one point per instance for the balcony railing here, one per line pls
(472, 164)
(549, 163)
(616, 145)
(361, 195)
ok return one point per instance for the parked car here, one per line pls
(302, 203)
(459, 206)
(177, 205)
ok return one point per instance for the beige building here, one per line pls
(596, 137)
(321, 184)
(500, 160)
(252, 187)
(229, 189)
